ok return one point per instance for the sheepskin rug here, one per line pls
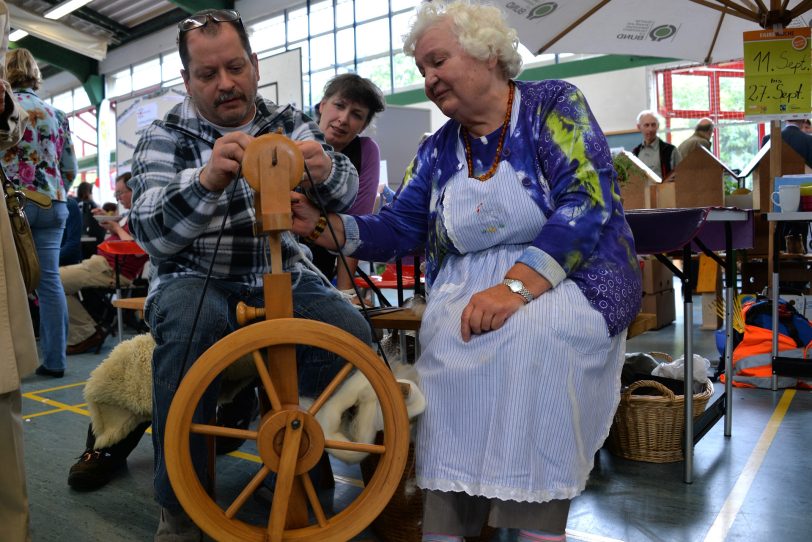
(119, 390)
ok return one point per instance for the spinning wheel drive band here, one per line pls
(289, 439)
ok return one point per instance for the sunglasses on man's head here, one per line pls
(201, 19)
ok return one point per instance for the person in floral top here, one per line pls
(43, 162)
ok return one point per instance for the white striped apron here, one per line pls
(517, 413)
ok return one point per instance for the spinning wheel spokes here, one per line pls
(288, 451)
(252, 486)
(360, 447)
(330, 389)
(313, 499)
(284, 482)
(220, 431)
(267, 383)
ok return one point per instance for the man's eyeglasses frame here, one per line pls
(202, 18)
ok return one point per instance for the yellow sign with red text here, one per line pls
(777, 74)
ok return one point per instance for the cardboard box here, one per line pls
(663, 305)
(642, 323)
(709, 276)
(742, 201)
(710, 319)
(656, 276)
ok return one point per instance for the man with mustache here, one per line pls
(186, 181)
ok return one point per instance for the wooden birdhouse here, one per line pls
(636, 180)
(697, 181)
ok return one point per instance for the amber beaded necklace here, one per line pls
(465, 138)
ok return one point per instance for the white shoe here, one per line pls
(177, 527)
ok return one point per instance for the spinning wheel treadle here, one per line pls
(289, 439)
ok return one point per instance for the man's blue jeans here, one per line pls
(47, 226)
(170, 315)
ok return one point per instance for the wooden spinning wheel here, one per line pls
(289, 440)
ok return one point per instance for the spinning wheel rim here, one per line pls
(204, 511)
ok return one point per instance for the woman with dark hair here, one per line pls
(349, 104)
(41, 162)
(84, 193)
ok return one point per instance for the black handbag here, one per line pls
(23, 238)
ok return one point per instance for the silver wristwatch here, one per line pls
(517, 287)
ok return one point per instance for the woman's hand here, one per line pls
(306, 217)
(305, 214)
(318, 163)
(488, 310)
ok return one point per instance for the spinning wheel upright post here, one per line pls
(273, 171)
(289, 439)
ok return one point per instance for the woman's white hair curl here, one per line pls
(481, 31)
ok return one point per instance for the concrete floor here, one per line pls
(752, 486)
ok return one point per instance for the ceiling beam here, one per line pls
(146, 28)
(58, 33)
(118, 31)
(192, 6)
(79, 65)
(84, 68)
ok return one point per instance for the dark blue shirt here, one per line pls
(71, 251)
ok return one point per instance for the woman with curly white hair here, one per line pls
(531, 275)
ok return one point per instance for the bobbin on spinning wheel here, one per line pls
(289, 440)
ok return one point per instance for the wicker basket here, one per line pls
(402, 518)
(650, 427)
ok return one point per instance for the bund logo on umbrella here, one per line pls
(541, 10)
(532, 9)
(662, 32)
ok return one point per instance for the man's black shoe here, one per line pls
(94, 469)
(42, 370)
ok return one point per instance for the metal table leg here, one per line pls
(730, 292)
(688, 312)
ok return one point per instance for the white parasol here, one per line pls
(703, 31)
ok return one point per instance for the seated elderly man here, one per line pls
(98, 271)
